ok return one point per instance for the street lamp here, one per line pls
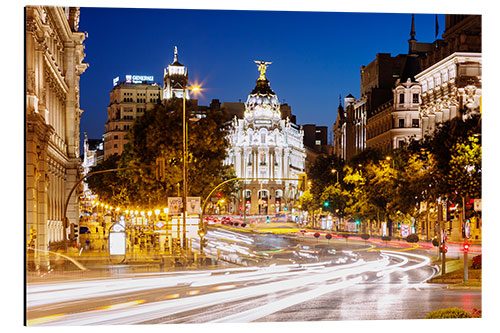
(195, 89)
(388, 158)
(335, 171)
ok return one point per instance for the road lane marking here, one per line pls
(121, 305)
(42, 320)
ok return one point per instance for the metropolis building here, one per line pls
(263, 145)
(54, 54)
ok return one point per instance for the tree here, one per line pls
(334, 200)
(321, 174)
(309, 204)
(159, 134)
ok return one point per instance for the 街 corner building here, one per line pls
(263, 145)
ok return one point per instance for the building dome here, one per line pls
(262, 103)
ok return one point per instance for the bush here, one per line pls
(476, 262)
(448, 313)
(386, 238)
(365, 236)
(412, 238)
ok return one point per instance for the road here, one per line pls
(287, 279)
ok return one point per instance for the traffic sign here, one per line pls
(467, 229)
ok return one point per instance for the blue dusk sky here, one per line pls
(316, 56)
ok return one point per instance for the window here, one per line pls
(116, 137)
(318, 142)
(415, 98)
(401, 123)
(115, 145)
(401, 98)
(401, 143)
(415, 123)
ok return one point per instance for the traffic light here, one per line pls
(443, 248)
(160, 169)
(73, 232)
(219, 194)
(302, 182)
(466, 247)
(267, 220)
(357, 222)
(399, 225)
(326, 204)
(203, 242)
(32, 234)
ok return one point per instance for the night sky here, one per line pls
(316, 56)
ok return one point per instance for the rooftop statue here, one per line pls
(262, 66)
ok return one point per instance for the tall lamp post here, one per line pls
(194, 88)
(335, 171)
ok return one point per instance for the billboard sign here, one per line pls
(115, 81)
(193, 205)
(117, 240)
(405, 230)
(174, 205)
(141, 78)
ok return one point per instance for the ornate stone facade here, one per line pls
(54, 55)
(450, 88)
(396, 122)
(263, 145)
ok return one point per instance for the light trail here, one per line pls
(300, 283)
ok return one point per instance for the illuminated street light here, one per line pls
(194, 88)
(335, 171)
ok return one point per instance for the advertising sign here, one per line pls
(405, 230)
(128, 78)
(141, 78)
(193, 205)
(477, 205)
(384, 229)
(117, 240)
(116, 80)
(174, 205)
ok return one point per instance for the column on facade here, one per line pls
(425, 125)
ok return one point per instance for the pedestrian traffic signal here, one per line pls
(267, 220)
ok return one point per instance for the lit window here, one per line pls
(415, 123)
(318, 142)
